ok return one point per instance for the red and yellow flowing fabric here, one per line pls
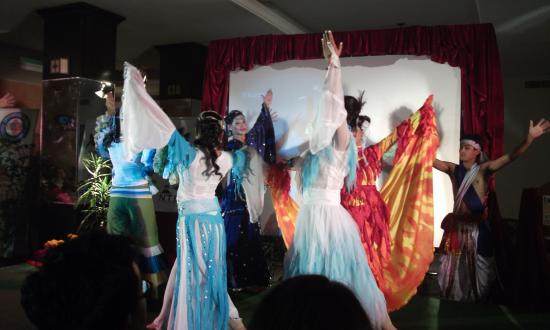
(408, 193)
(285, 207)
(366, 205)
(391, 222)
(396, 225)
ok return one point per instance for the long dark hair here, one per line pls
(113, 135)
(353, 107)
(230, 117)
(209, 131)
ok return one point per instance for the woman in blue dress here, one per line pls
(246, 264)
(196, 294)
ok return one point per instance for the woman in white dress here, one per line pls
(196, 294)
(326, 240)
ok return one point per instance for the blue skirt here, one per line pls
(326, 242)
(246, 264)
(200, 298)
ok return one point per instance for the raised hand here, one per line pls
(324, 46)
(337, 50)
(274, 116)
(7, 101)
(268, 98)
(329, 46)
(542, 127)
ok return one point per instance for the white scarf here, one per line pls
(465, 185)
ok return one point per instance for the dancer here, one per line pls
(468, 265)
(326, 241)
(131, 209)
(196, 294)
(246, 264)
(370, 209)
(399, 247)
(364, 202)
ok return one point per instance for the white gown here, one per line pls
(196, 294)
(326, 240)
(198, 281)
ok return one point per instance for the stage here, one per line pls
(425, 311)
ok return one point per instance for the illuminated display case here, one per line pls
(70, 109)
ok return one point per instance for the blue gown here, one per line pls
(246, 264)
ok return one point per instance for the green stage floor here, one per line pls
(423, 312)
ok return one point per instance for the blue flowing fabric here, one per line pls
(201, 225)
(262, 136)
(200, 233)
(246, 265)
(310, 166)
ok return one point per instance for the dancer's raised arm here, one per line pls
(144, 124)
(330, 123)
(534, 132)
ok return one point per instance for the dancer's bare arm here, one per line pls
(329, 49)
(443, 166)
(534, 132)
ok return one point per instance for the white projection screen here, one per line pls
(395, 86)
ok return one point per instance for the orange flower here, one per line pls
(72, 236)
(53, 243)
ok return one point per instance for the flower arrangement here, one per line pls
(38, 256)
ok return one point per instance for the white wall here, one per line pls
(533, 168)
(395, 87)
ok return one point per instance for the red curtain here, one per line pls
(472, 48)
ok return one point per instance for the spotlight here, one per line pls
(106, 88)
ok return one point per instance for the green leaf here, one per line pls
(94, 193)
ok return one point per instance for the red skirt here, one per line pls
(372, 217)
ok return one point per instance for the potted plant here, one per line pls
(94, 193)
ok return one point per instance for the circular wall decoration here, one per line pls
(14, 127)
